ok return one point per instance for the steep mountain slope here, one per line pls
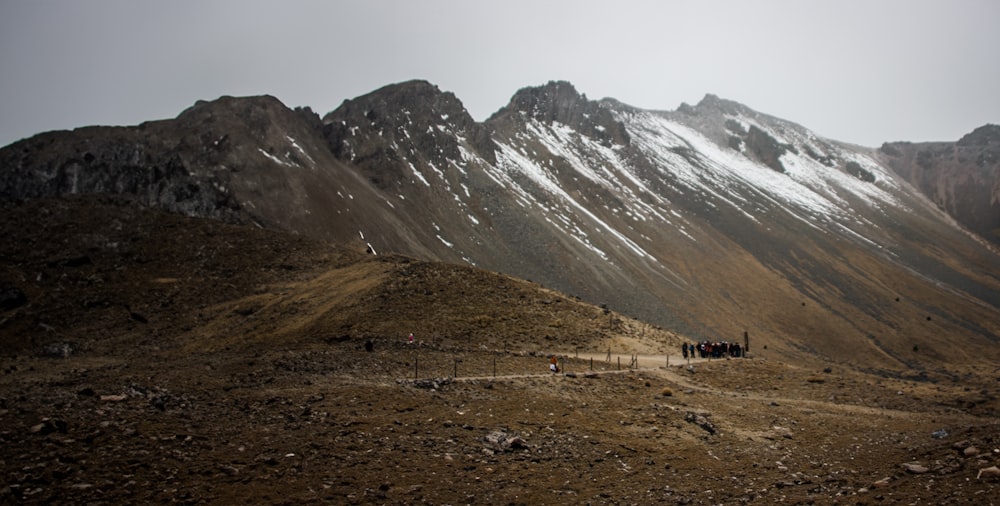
(712, 220)
(962, 178)
(742, 221)
(99, 274)
(248, 160)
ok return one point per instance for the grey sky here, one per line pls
(861, 71)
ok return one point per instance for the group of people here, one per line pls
(709, 349)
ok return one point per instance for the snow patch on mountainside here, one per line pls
(511, 160)
(809, 190)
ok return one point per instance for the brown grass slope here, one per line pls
(102, 272)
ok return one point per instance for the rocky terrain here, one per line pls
(149, 357)
(961, 177)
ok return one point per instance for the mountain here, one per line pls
(962, 178)
(714, 220)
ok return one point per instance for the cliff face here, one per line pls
(962, 178)
(189, 164)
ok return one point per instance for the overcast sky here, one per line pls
(862, 71)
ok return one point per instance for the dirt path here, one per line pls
(643, 363)
(674, 373)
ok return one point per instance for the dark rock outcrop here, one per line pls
(183, 165)
(376, 130)
(559, 101)
(962, 178)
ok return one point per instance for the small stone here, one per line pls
(971, 451)
(701, 421)
(992, 472)
(915, 468)
(884, 482)
(48, 426)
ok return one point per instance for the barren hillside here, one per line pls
(149, 357)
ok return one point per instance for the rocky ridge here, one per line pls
(962, 178)
(713, 220)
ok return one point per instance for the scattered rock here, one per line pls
(783, 432)
(915, 468)
(971, 451)
(884, 482)
(991, 473)
(939, 434)
(701, 421)
(57, 350)
(501, 441)
(48, 426)
(432, 384)
(114, 398)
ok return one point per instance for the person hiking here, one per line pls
(553, 363)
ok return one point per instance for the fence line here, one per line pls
(442, 363)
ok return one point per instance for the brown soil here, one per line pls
(158, 359)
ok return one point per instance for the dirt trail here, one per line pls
(643, 363)
(677, 363)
